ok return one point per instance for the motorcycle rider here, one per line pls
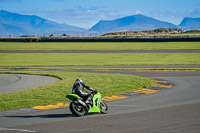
(78, 87)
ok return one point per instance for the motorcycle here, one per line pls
(78, 107)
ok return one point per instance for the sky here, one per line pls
(86, 13)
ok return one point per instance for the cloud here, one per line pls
(87, 17)
(138, 12)
(174, 16)
(78, 16)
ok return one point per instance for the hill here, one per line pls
(190, 23)
(17, 24)
(146, 33)
(131, 23)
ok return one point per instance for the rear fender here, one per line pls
(72, 96)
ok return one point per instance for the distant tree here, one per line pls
(51, 35)
(65, 35)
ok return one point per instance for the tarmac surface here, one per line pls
(172, 110)
(17, 82)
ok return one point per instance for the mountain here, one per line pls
(17, 24)
(136, 23)
(190, 23)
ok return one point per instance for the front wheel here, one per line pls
(103, 108)
(77, 109)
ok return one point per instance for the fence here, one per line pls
(91, 39)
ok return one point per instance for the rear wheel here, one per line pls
(77, 109)
(103, 108)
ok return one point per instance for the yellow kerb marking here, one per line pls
(114, 98)
(58, 105)
(165, 86)
(163, 81)
(146, 91)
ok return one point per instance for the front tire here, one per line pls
(77, 109)
(103, 108)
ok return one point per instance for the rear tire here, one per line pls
(77, 109)
(103, 108)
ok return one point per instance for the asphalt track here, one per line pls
(172, 110)
(17, 82)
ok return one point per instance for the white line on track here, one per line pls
(20, 130)
(195, 82)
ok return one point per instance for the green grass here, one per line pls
(133, 69)
(107, 84)
(192, 32)
(98, 46)
(13, 59)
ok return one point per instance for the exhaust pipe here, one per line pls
(81, 102)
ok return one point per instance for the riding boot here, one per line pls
(89, 99)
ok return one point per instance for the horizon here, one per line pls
(87, 13)
(96, 23)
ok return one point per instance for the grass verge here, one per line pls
(62, 59)
(146, 69)
(70, 69)
(47, 46)
(107, 84)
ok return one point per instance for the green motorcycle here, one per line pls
(79, 108)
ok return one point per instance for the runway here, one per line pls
(172, 110)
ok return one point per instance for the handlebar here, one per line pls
(95, 91)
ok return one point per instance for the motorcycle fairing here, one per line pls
(96, 104)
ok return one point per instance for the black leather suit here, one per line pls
(78, 89)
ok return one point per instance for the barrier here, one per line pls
(177, 39)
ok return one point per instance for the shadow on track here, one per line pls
(43, 116)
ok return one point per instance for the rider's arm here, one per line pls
(87, 87)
